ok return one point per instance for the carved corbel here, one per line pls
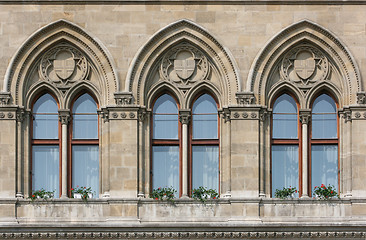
(20, 115)
(123, 98)
(347, 115)
(4, 98)
(361, 97)
(305, 117)
(245, 98)
(142, 114)
(184, 117)
(64, 116)
(263, 115)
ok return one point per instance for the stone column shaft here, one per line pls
(305, 118)
(64, 116)
(184, 119)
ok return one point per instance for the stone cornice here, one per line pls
(224, 2)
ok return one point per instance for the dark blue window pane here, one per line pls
(285, 167)
(285, 118)
(204, 118)
(324, 165)
(165, 118)
(45, 118)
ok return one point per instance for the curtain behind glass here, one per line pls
(205, 167)
(204, 118)
(166, 167)
(45, 118)
(285, 167)
(45, 168)
(85, 167)
(324, 165)
(85, 118)
(285, 121)
(165, 118)
(324, 118)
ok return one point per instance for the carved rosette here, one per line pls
(304, 66)
(184, 65)
(63, 66)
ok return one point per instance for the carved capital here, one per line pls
(305, 117)
(184, 117)
(361, 98)
(64, 116)
(104, 114)
(245, 98)
(20, 115)
(263, 115)
(4, 98)
(123, 98)
(142, 114)
(226, 115)
(347, 115)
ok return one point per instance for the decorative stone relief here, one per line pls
(245, 98)
(183, 66)
(63, 66)
(305, 117)
(64, 116)
(104, 113)
(4, 98)
(304, 66)
(123, 98)
(361, 98)
(226, 115)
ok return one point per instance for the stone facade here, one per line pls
(241, 52)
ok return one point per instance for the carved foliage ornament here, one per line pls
(63, 66)
(184, 65)
(304, 66)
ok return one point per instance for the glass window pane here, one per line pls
(166, 167)
(85, 127)
(324, 118)
(165, 118)
(205, 118)
(85, 118)
(324, 165)
(45, 118)
(85, 167)
(45, 126)
(45, 168)
(285, 119)
(285, 167)
(205, 167)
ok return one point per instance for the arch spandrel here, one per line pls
(183, 54)
(305, 55)
(64, 56)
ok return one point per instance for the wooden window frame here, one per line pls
(43, 142)
(72, 142)
(293, 142)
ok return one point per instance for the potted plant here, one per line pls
(203, 194)
(285, 192)
(325, 193)
(165, 193)
(82, 192)
(42, 194)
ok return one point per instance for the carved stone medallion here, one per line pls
(304, 65)
(63, 66)
(184, 65)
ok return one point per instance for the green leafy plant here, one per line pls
(325, 193)
(165, 193)
(41, 194)
(285, 192)
(203, 194)
(83, 191)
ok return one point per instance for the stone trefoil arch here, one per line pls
(166, 45)
(318, 42)
(81, 52)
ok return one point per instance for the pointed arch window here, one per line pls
(285, 143)
(205, 143)
(165, 143)
(45, 145)
(84, 144)
(324, 142)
